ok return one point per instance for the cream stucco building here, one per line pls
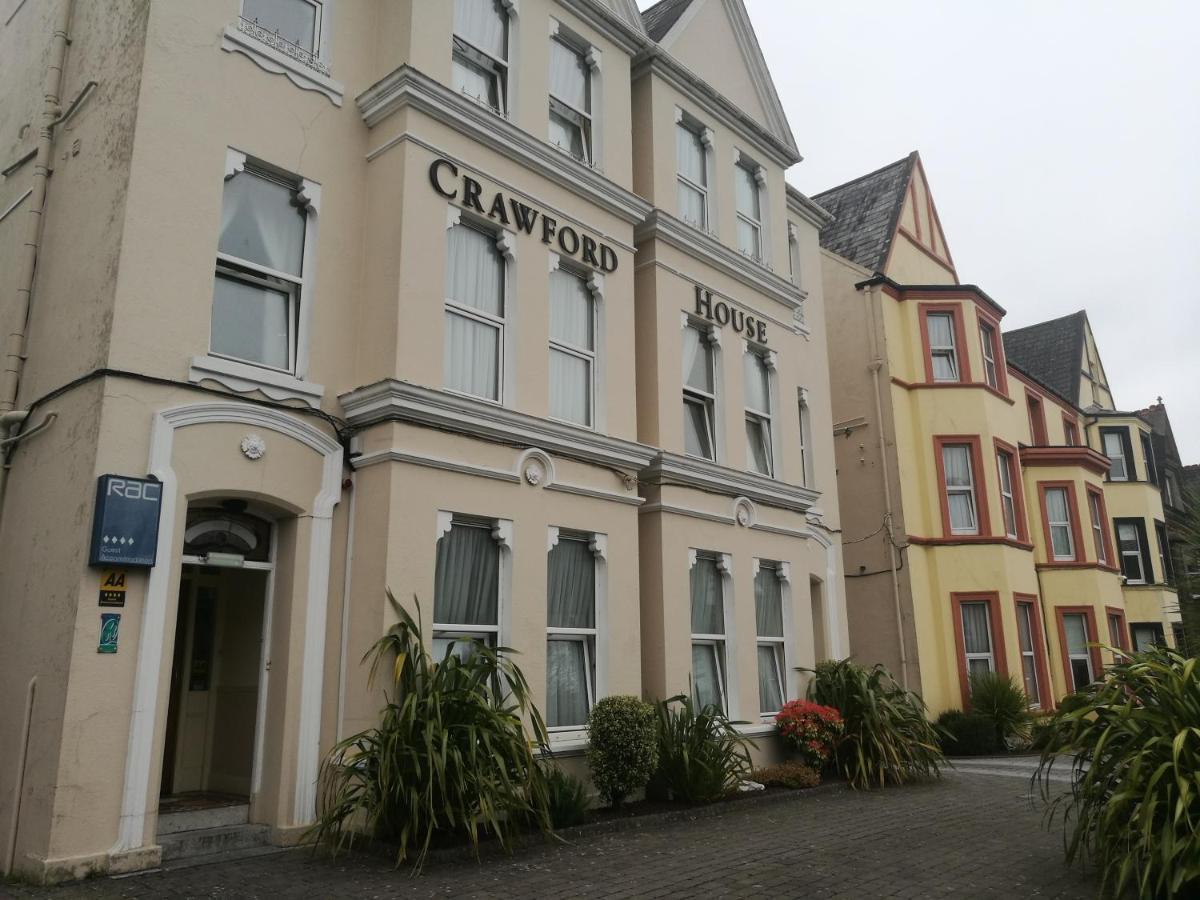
(501, 304)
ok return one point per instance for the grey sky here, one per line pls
(1061, 144)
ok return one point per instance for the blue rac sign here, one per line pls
(125, 529)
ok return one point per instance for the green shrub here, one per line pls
(569, 800)
(887, 738)
(623, 746)
(701, 755)
(1132, 741)
(790, 774)
(1000, 700)
(967, 734)
(449, 757)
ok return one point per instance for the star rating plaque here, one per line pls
(125, 527)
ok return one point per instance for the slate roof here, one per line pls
(659, 18)
(866, 211)
(1156, 417)
(1052, 352)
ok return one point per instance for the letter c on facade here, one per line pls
(433, 177)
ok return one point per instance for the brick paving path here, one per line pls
(968, 837)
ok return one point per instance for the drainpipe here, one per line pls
(14, 341)
(876, 367)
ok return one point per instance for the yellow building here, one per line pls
(988, 523)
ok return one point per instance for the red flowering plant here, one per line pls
(810, 729)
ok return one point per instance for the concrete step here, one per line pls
(203, 841)
(196, 819)
(207, 859)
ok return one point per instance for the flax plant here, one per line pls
(701, 754)
(450, 758)
(1132, 742)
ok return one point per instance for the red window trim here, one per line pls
(1018, 487)
(960, 340)
(1070, 425)
(1124, 641)
(995, 624)
(1089, 617)
(1037, 427)
(982, 318)
(1110, 559)
(978, 476)
(1073, 512)
(1038, 637)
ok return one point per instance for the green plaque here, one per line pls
(109, 625)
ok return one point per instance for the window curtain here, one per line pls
(977, 637)
(747, 192)
(293, 20)
(571, 585)
(467, 578)
(474, 270)
(768, 602)
(708, 612)
(570, 388)
(706, 679)
(757, 381)
(697, 360)
(260, 224)
(697, 440)
(770, 697)
(1076, 632)
(472, 356)
(956, 463)
(250, 322)
(566, 683)
(1056, 512)
(689, 155)
(571, 319)
(758, 444)
(482, 24)
(569, 76)
(941, 330)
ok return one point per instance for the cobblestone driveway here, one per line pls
(971, 836)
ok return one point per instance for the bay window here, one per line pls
(257, 292)
(572, 348)
(570, 99)
(1134, 551)
(466, 591)
(479, 58)
(1059, 524)
(1029, 654)
(1008, 504)
(1115, 445)
(978, 651)
(1080, 672)
(475, 312)
(1098, 517)
(699, 393)
(768, 615)
(570, 632)
(691, 159)
(943, 350)
(757, 379)
(1037, 420)
(987, 339)
(959, 485)
(747, 193)
(1116, 630)
(709, 657)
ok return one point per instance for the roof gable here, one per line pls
(1052, 352)
(866, 212)
(710, 38)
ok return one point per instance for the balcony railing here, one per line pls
(278, 42)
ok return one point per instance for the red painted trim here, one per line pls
(912, 199)
(1070, 431)
(1038, 638)
(1018, 488)
(960, 339)
(1001, 361)
(1086, 457)
(995, 625)
(962, 539)
(1037, 419)
(1089, 615)
(936, 219)
(983, 520)
(1073, 513)
(919, 245)
(1123, 641)
(1062, 564)
(1110, 556)
(922, 386)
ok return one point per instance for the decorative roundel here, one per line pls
(534, 473)
(253, 446)
(535, 467)
(743, 512)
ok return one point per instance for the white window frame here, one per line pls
(1094, 511)
(504, 324)
(1084, 654)
(1121, 455)
(1008, 502)
(766, 417)
(990, 654)
(759, 176)
(794, 265)
(968, 489)
(1025, 610)
(987, 340)
(247, 375)
(696, 396)
(1052, 524)
(502, 69)
(591, 56)
(502, 533)
(806, 447)
(721, 644)
(784, 649)
(707, 138)
(275, 54)
(595, 640)
(594, 282)
(1137, 551)
(950, 351)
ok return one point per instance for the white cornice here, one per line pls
(627, 33)
(687, 471)
(657, 61)
(808, 209)
(661, 225)
(394, 400)
(407, 87)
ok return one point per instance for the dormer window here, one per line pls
(480, 54)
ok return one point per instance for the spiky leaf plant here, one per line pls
(450, 756)
(701, 754)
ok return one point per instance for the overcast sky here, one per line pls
(1062, 144)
